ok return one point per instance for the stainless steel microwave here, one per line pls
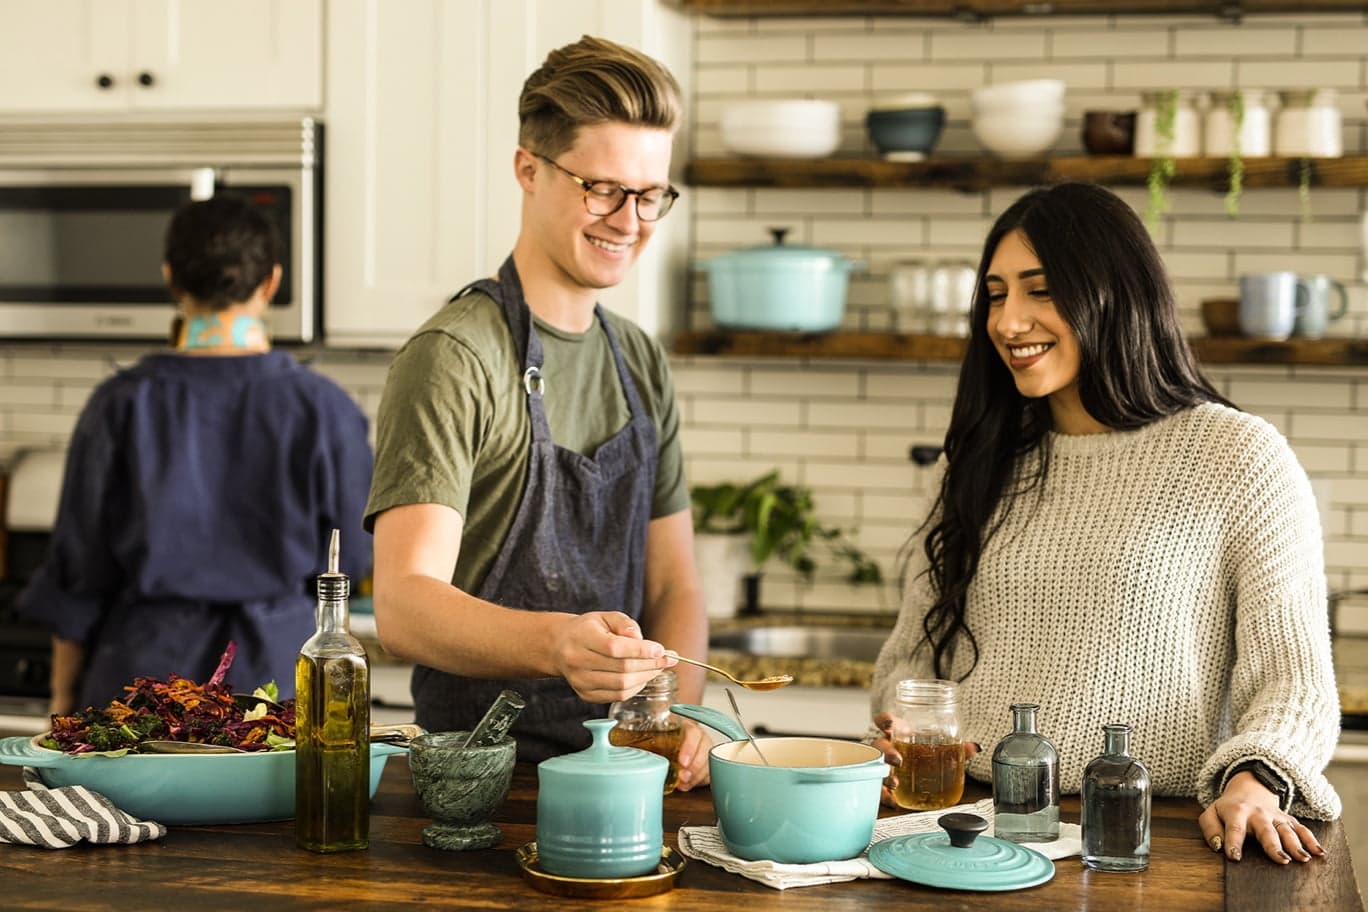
(84, 207)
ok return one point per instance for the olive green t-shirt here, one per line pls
(453, 428)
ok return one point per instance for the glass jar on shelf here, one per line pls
(909, 296)
(1167, 125)
(1237, 121)
(644, 721)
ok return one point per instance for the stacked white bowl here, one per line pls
(1018, 119)
(782, 128)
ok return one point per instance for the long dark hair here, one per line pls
(1108, 284)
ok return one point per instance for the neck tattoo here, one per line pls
(207, 331)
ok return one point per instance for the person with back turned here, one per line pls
(201, 486)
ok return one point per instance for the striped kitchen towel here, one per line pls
(56, 818)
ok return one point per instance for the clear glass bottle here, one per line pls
(1025, 781)
(332, 725)
(926, 733)
(1116, 806)
(644, 721)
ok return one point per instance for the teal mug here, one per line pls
(1316, 313)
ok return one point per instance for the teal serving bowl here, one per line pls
(182, 789)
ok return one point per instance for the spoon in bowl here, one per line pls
(773, 682)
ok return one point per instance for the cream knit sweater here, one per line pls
(1171, 578)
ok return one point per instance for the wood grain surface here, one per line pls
(257, 867)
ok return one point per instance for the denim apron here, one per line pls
(577, 544)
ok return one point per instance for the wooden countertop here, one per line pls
(256, 866)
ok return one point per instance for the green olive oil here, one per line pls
(332, 726)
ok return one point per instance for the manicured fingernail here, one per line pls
(1234, 854)
(1283, 856)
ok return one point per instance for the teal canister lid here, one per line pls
(961, 859)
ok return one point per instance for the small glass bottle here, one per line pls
(926, 733)
(332, 725)
(1025, 781)
(1116, 807)
(644, 721)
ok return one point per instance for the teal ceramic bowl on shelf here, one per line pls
(182, 789)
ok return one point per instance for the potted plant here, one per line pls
(739, 527)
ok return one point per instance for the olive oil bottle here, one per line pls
(332, 725)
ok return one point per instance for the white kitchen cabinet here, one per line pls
(422, 124)
(82, 56)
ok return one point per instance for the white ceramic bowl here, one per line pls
(1017, 135)
(782, 128)
(1019, 92)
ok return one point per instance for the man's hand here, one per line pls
(604, 657)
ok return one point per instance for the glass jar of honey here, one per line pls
(926, 734)
(644, 721)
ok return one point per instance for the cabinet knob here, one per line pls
(104, 81)
(146, 79)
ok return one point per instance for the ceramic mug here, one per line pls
(1316, 313)
(1269, 304)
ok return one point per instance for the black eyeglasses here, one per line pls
(606, 197)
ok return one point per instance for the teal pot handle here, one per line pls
(21, 752)
(718, 721)
(860, 773)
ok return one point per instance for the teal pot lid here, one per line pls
(781, 256)
(605, 759)
(960, 859)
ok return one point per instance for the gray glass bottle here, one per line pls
(1025, 781)
(1116, 806)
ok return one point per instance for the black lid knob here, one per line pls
(963, 829)
(146, 79)
(104, 81)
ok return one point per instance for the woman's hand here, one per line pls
(1246, 808)
(693, 757)
(884, 722)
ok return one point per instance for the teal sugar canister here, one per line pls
(599, 811)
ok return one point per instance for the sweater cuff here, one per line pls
(1284, 800)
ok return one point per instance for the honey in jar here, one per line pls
(926, 733)
(644, 721)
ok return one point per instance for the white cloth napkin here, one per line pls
(56, 818)
(705, 844)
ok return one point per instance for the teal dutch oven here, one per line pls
(182, 789)
(780, 287)
(816, 801)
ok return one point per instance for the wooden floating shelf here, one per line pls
(973, 10)
(975, 174)
(907, 347)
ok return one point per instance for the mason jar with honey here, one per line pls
(644, 721)
(926, 733)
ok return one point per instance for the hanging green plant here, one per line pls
(1304, 189)
(1162, 167)
(1235, 167)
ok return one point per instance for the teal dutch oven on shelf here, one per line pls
(779, 286)
(817, 801)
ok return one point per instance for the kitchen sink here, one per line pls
(859, 644)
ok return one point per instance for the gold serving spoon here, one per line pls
(773, 682)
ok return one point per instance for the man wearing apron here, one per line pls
(531, 517)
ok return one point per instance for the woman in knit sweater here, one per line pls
(1113, 540)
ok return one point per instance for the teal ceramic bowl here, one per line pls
(181, 789)
(816, 801)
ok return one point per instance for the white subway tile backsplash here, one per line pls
(1321, 427)
(1243, 233)
(1109, 44)
(1314, 397)
(765, 412)
(818, 81)
(1176, 74)
(803, 444)
(856, 414)
(755, 49)
(898, 46)
(722, 80)
(1238, 42)
(1344, 71)
(813, 382)
(927, 77)
(26, 393)
(979, 42)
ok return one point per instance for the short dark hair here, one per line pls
(590, 82)
(220, 249)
